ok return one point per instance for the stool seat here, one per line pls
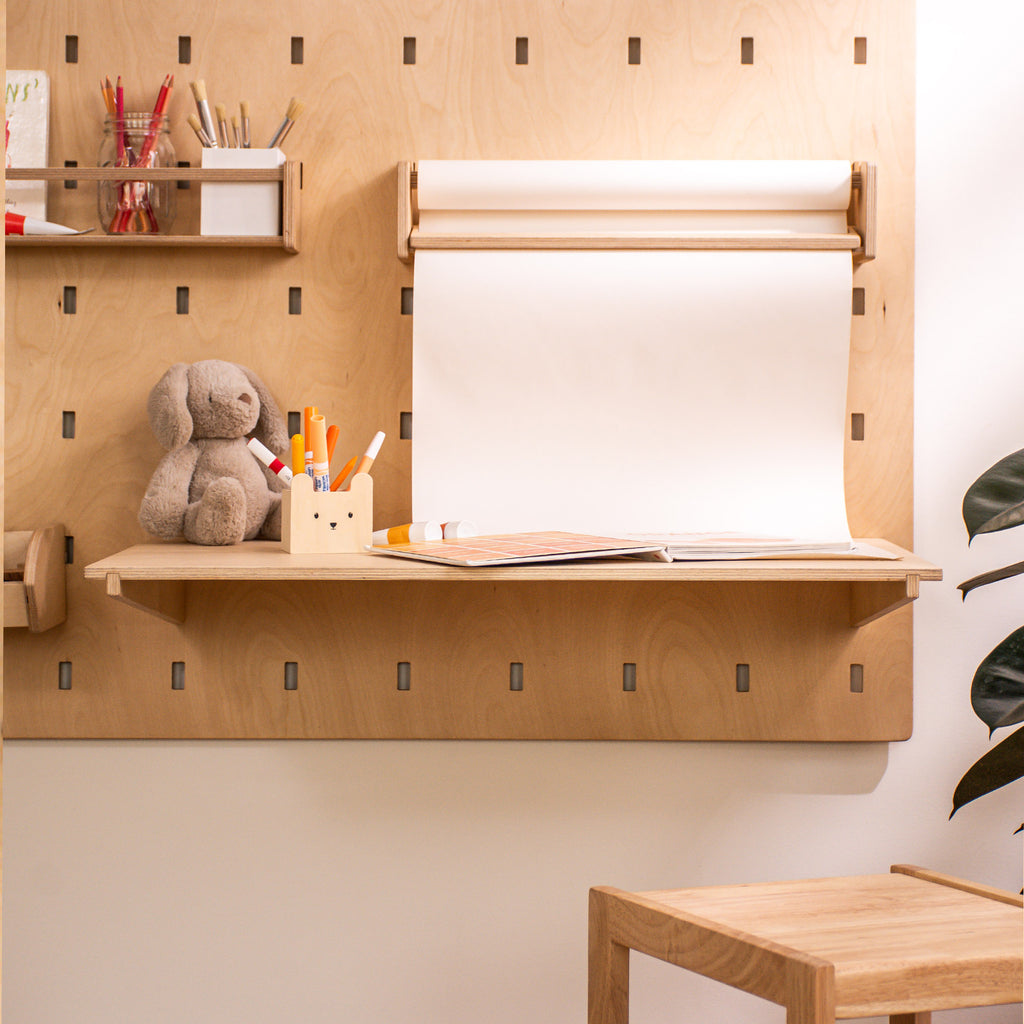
(901, 944)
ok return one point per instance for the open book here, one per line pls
(517, 548)
(682, 547)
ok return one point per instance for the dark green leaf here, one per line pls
(995, 501)
(997, 690)
(993, 576)
(1002, 765)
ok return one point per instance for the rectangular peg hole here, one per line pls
(856, 426)
(184, 49)
(294, 301)
(177, 675)
(404, 675)
(70, 184)
(522, 50)
(291, 675)
(629, 677)
(515, 676)
(409, 50)
(71, 49)
(64, 675)
(67, 424)
(856, 679)
(747, 50)
(297, 47)
(859, 303)
(184, 184)
(294, 422)
(405, 426)
(406, 302)
(633, 50)
(182, 300)
(70, 300)
(69, 550)
(860, 50)
(743, 679)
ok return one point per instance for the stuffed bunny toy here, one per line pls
(209, 488)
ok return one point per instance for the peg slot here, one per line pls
(67, 425)
(409, 50)
(70, 184)
(405, 426)
(515, 676)
(298, 46)
(70, 301)
(406, 302)
(177, 675)
(747, 50)
(69, 550)
(404, 675)
(291, 675)
(856, 679)
(184, 49)
(71, 49)
(743, 678)
(857, 426)
(182, 300)
(294, 301)
(633, 50)
(522, 50)
(629, 677)
(64, 675)
(860, 50)
(859, 302)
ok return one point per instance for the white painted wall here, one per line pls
(446, 883)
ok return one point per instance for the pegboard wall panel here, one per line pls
(88, 332)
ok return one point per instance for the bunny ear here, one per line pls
(168, 408)
(270, 428)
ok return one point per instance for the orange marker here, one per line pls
(298, 454)
(332, 440)
(366, 459)
(308, 413)
(343, 476)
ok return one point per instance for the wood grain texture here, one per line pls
(350, 353)
(900, 945)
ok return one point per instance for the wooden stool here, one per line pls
(901, 944)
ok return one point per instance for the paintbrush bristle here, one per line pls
(294, 109)
(199, 90)
(222, 111)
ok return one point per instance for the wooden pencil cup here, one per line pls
(328, 522)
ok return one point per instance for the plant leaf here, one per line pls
(997, 690)
(995, 501)
(992, 576)
(1002, 765)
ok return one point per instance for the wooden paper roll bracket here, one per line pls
(859, 237)
(34, 578)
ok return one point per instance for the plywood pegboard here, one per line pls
(349, 351)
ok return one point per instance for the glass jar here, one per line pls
(137, 207)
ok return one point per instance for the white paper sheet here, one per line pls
(629, 392)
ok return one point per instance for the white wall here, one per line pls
(447, 882)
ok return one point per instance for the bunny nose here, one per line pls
(245, 397)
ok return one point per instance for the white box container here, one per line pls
(240, 208)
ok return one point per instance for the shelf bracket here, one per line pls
(163, 598)
(872, 600)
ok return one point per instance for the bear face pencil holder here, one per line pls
(329, 522)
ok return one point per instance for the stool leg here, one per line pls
(608, 995)
(911, 1018)
(810, 992)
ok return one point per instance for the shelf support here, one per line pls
(871, 600)
(163, 598)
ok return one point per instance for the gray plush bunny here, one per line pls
(209, 488)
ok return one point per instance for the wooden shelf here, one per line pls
(289, 175)
(153, 577)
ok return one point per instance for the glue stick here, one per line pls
(408, 532)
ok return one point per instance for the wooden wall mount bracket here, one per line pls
(35, 585)
(859, 237)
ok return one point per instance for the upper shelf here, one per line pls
(289, 175)
(153, 576)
